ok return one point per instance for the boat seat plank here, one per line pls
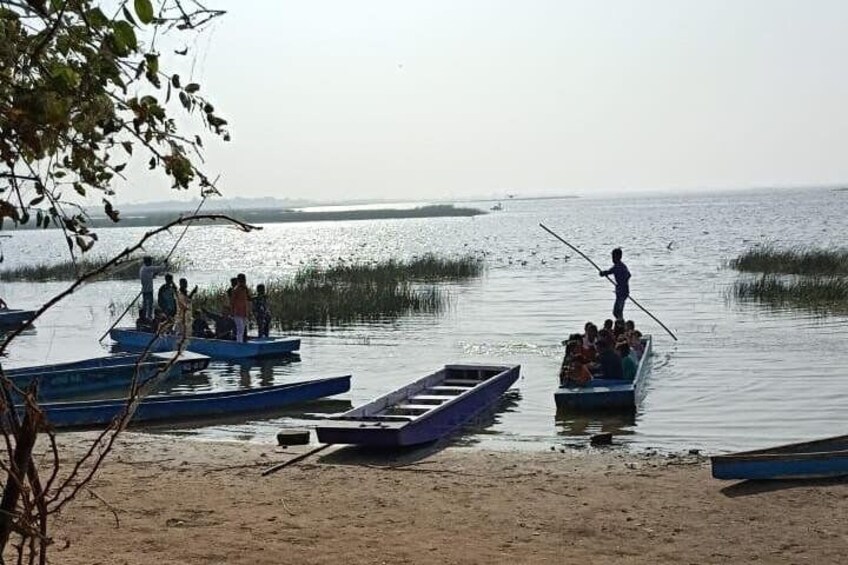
(461, 382)
(424, 407)
(448, 389)
(377, 417)
(423, 398)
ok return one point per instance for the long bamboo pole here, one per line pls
(633, 300)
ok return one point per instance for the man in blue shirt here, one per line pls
(622, 283)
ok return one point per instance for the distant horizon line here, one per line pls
(510, 196)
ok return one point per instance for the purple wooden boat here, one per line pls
(424, 411)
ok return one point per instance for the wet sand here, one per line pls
(173, 501)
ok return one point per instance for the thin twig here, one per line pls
(107, 505)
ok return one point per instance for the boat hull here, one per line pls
(607, 394)
(64, 380)
(810, 460)
(354, 427)
(215, 348)
(191, 406)
(11, 319)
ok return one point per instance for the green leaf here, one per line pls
(175, 80)
(110, 211)
(127, 15)
(144, 10)
(124, 35)
(192, 87)
(128, 147)
(96, 18)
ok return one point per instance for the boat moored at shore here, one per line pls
(423, 411)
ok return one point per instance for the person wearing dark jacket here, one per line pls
(608, 361)
(622, 283)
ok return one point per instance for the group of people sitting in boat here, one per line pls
(612, 352)
(174, 312)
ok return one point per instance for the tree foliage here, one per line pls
(83, 91)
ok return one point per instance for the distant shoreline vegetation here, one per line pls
(273, 216)
(809, 279)
(67, 271)
(349, 293)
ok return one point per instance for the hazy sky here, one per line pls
(432, 99)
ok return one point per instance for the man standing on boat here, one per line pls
(622, 283)
(146, 273)
(239, 305)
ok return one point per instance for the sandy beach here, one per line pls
(172, 500)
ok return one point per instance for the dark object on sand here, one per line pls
(601, 439)
(293, 436)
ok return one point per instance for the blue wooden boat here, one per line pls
(11, 318)
(809, 460)
(206, 405)
(63, 380)
(424, 411)
(606, 394)
(215, 348)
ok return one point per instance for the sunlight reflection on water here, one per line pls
(739, 377)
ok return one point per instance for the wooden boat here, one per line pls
(11, 318)
(606, 394)
(215, 348)
(424, 411)
(104, 373)
(205, 405)
(809, 460)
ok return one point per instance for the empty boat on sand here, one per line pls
(808, 460)
(423, 411)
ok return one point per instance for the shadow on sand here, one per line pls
(754, 487)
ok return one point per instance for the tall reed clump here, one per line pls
(67, 271)
(341, 293)
(795, 261)
(823, 295)
(809, 279)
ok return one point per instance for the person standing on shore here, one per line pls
(239, 305)
(146, 273)
(622, 283)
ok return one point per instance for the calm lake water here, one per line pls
(740, 377)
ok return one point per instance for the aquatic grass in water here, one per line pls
(794, 261)
(818, 285)
(66, 271)
(428, 268)
(820, 295)
(350, 293)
